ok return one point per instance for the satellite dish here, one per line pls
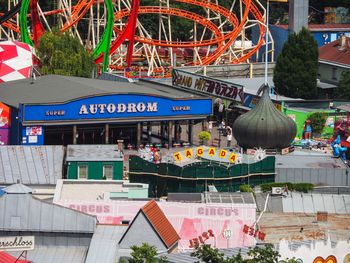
(259, 155)
(346, 258)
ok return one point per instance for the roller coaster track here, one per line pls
(221, 41)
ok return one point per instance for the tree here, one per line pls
(343, 90)
(62, 54)
(145, 254)
(318, 121)
(295, 74)
(212, 255)
(265, 254)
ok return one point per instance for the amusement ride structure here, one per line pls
(113, 31)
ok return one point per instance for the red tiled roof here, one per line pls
(323, 27)
(6, 258)
(334, 53)
(160, 223)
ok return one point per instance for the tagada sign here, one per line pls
(17, 243)
(207, 86)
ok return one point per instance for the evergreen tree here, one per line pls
(343, 90)
(62, 54)
(295, 74)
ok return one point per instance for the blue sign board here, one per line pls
(33, 135)
(116, 106)
(326, 37)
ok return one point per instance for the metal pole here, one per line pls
(266, 41)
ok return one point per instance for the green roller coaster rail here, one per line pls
(102, 47)
(23, 22)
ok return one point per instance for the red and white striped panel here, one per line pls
(15, 60)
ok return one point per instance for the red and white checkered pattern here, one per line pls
(16, 60)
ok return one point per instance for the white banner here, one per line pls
(208, 86)
(190, 220)
(16, 243)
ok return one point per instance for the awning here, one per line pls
(6, 258)
(323, 85)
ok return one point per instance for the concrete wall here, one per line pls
(325, 72)
(298, 14)
(321, 176)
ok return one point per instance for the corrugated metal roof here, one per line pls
(323, 27)
(313, 203)
(55, 88)
(93, 153)
(57, 254)
(160, 223)
(185, 257)
(23, 212)
(308, 159)
(104, 244)
(231, 198)
(31, 165)
(18, 189)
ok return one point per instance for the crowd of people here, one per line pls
(150, 153)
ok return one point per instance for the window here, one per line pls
(82, 171)
(108, 171)
(334, 73)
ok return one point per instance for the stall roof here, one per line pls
(104, 244)
(95, 152)
(56, 88)
(23, 212)
(55, 254)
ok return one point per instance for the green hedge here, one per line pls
(299, 187)
(245, 188)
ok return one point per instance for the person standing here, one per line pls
(229, 136)
(210, 126)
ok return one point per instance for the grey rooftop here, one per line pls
(56, 88)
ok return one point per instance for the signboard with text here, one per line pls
(190, 220)
(16, 243)
(115, 106)
(33, 135)
(207, 86)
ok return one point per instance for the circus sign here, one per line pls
(208, 86)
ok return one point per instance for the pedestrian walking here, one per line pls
(229, 136)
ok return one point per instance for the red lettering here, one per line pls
(99, 209)
(220, 211)
(106, 209)
(91, 208)
(228, 212)
(200, 211)
(245, 229)
(72, 206)
(212, 211)
(84, 209)
(205, 235)
(251, 231)
(201, 239)
(261, 236)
